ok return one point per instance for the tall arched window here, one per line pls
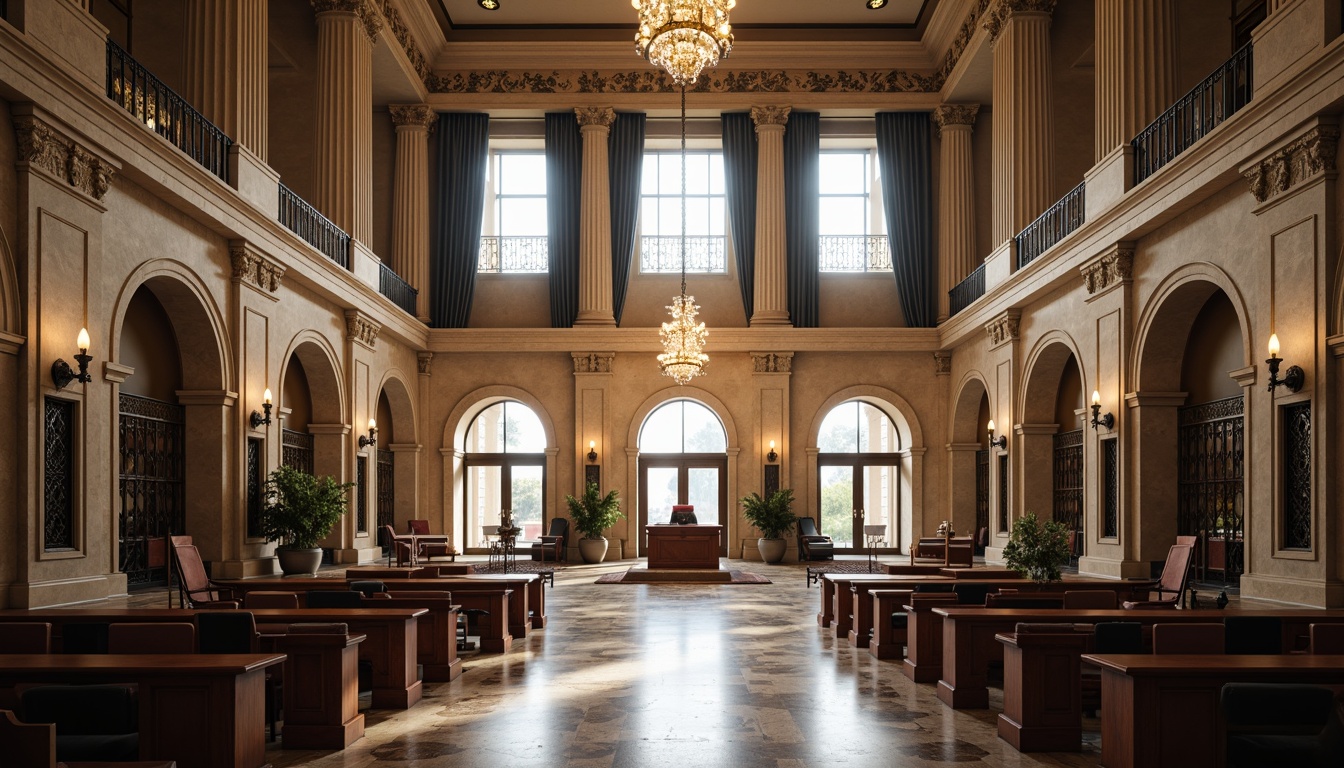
(859, 463)
(683, 460)
(505, 468)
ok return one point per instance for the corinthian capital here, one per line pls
(997, 17)
(954, 114)
(368, 15)
(603, 116)
(770, 115)
(413, 114)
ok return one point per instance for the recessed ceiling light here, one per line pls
(875, 4)
(493, 5)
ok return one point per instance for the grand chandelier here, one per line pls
(683, 356)
(683, 36)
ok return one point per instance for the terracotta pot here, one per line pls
(593, 550)
(297, 561)
(772, 550)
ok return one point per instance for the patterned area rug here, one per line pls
(843, 566)
(521, 566)
(644, 576)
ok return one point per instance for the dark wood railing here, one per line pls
(1052, 226)
(165, 113)
(1196, 113)
(393, 287)
(303, 220)
(967, 291)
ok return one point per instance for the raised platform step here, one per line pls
(719, 575)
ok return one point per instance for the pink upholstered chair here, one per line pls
(1170, 588)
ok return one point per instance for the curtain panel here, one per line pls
(903, 147)
(464, 150)
(802, 190)
(564, 194)
(739, 170)
(625, 157)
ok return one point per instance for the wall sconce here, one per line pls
(61, 372)
(592, 450)
(996, 442)
(772, 456)
(372, 438)
(1293, 379)
(259, 420)
(1107, 421)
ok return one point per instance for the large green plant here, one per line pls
(774, 516)
(594, 513)
(1037, 548)
(301, 509)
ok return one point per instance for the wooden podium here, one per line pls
(684, 546)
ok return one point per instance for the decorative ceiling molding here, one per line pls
(962, 40)
(1309, 155)
(402, 33)
(650, 81)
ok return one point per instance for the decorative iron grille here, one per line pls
(1297, 476)
(361, 494)
(151, 486)
(1211, 488)
(393, 287)
(387, 488)
(981, 496)
(165, 113)
(255, 483)
(1196, 113)
(58, 486)
(1003, 493)
(514, 254)
(1060, 220)
(1110, 462)
(317, 230)
(296, 450)
(967, 291)
(663, 254)
(854, 253)
(1068, 482)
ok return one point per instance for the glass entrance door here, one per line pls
(860, 502)
(668, 480)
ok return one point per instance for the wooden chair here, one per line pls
(93, 722)
(194, 586)
(267, 599)
(1170, 588)
(552, 546)
(25, 637)
(399, 545)
(1260, 635)
(1189, 638)
(1085, 599)
(438, 546)
(1327, 638)
(151, 637)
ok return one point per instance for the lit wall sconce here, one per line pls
(259, 420)
(772, 456)
(1293, 379)
(61, 372)
(372, 437)
(592, 450)
(1108, 420)
(996, 442)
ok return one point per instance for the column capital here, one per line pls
(368, 15)
(599, 116)
(424, 362)
(997, 17)
(770, 116)
(361, 328)
(252, 268)
(954, 114)
(421, 115)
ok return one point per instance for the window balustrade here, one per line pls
(514, 254)
(704, 254)
(854, 253)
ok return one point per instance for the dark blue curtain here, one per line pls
(564, 191)
(625, 156)
(739, 171)
(802, 190)
(903, 149)
(464, 150)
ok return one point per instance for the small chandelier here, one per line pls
(683, 36)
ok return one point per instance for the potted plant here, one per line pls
(1037, 548)
(300, 511)
(773, 517)
(592, 514)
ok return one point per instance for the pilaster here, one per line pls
(770, 293)
(592, 395)
(595, 299)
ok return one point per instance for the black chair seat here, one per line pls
(334, 598)
(93, 722)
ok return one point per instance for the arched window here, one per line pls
(859, 463)
(682, 460)
(505, 467)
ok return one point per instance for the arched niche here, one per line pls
(968, 438)
(397, 457)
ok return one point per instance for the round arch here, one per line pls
(11, 319)
(399, 402)
(321, 366)
(1045, 364)
(966, 436)
(197, 322)
(965, 426)
(664, 396)
(1173, 308)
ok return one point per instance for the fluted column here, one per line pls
(226, 68)
(1023, 134)
(1135, 67)
(346, 30)
(595, 302)
(410, 199)
(957, 256)
(770, 294)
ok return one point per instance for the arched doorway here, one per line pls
(504, 467)
(395, 456)
(859, 477)
(683, 459)
(1052, 439)
(969, 454)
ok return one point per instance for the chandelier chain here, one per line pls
(683, 189)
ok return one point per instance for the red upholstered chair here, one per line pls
(151, 637)
(438, 546)
(1170, 588)
(398, 545)
(194, 586)
(1188, 638)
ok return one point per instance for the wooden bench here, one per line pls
(319, 715)
(436, 632)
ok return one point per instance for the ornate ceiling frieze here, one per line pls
(252, 268)
(413, 114)
(772, 362)
(1309, 155)
(1108, 269)
(962, 40)
(1004, 328)
(651, 81)
(593, 362)
(45, 146)
(361, 328)
(603, 116)
(403, 35)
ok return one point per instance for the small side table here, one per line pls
(507, 557)
(874, 536)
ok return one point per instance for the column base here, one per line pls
(595, 317)
(770, 317)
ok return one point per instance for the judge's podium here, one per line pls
(684, 546)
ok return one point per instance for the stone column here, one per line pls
(770, 297)
(346, 30)
(1136, 79)
(410, 199)
(1024, 138)
(957, 256)
(226, 68)
(595, 302)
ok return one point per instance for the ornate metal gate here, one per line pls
(387, 489)
(296, 450)
(981, 497)
(1211, 489)
(1068, 482)
(151, 486)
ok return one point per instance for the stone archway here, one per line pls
(397, 460)
(968, 459)
(1034, 442)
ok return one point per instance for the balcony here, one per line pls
(399, 291)
(514, 255)
(317, 230)
(1050, 227)
(1196, 113)
(967, 291)
(854, 253)
(165, 113)
(704, 254)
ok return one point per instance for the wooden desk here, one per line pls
(684, 546)
(204, 711)
(1042, 691)
(1163, 711)
(319, 715)
(436, 646)
(836, 598)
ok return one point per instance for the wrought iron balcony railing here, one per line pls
(303, 220)
(659, 253)
(1196, 113)
(393, 287)
(854, 253)
(1052, 226)
(514, 254)
(967, 291)
(165, 113)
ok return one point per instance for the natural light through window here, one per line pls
(660, 245)
(513, 229)
(853, 231)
